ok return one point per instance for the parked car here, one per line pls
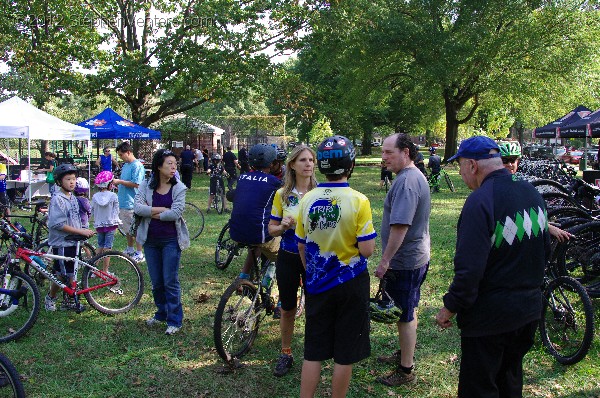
(572, 157)
(375, 143)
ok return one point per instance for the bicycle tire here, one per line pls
(449, 182)
(579, 257)
(559, 214)
(119, 298)
(16, 322)
(544, 185)
(237, 320)
(10, 378)
(219, 200)
(557, 199)
(567, 325)
(226, 249)
(41, 230)
(194, 219)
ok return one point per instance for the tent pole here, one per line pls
(29, 162)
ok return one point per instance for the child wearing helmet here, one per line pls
(105, 208)
(82, 189)
(335, 237)
(64, 220)
(216, 171)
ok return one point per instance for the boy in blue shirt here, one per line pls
(64, 220)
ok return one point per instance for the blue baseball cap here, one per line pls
(477, 148)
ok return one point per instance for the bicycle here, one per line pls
(433, 180)
(112, 292)
(218, 202)
(226, 249)
(10, 381)
(242, 307)
(38, 221)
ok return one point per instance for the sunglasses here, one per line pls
(510, 159)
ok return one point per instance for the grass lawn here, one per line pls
(92, 355)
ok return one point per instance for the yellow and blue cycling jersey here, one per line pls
(333, 219)
(280, 210)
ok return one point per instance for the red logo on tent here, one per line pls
(96, 122)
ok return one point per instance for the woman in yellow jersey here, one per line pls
(299, 178)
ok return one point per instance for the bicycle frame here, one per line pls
(25, 255)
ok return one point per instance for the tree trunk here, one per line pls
(451, 127)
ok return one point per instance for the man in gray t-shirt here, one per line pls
(406, 249)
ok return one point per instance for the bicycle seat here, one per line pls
(75, 238)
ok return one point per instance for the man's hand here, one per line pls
(381, 269)
(443, 318)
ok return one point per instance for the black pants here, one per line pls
(231, 178)
(187, 171)
(492, 366)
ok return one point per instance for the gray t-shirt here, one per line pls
(408, 203)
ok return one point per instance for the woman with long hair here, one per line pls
(163, 233)
(299, 178)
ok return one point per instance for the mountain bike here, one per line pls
(10, 381)
(243, 305)
(434, 179)
(226, 249)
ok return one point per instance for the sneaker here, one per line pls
(397, 378)
(284, 364)
(393, 359)
(50, 303)
(138, 257)
(152, 321)
(277, 312)
(171, 330)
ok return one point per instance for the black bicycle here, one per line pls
(218, 202)
(434, 179)
(10, 381)
(226, 248)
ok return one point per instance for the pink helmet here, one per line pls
(103, 179)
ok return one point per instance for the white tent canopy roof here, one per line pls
(19, 119)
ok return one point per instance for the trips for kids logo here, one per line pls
(324, 214)
(293, 200)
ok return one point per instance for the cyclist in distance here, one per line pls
(435, 164)
(299, 179)
(252, 205)
(216, 171)
(511, 154)
(278, 169)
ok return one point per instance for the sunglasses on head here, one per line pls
(509, 159)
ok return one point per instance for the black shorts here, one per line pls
(61, 266)
(337, 323)
(3, 199)
(213, 184)
(289, 271)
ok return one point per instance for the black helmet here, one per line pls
(261, 156)
(216, 156)
(432, 149)
(62, 169)
(382, 308)
(281, 155)
(335, 155)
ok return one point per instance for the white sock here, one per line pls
(130, 249)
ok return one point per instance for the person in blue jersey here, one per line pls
(501, 250)
(298, 180)
(335, 237)
(106, 162)
(252, 205)
(405, 250)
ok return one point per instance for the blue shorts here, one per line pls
(404, 287)
(106, 239)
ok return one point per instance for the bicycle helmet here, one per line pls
(103, 179)
(432, 150)
(509, 148)
(335, 155)
(62, 169)
(82, 185)
(216, 156)
(382, 309)
(281, 155)
(261, 156)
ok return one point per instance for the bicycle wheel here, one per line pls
(194, 219)
(579, 257)
(219, 199)
(557, 199)
(17, 319)
(544, 185)
(567, 325)
(41, 231)
(449, 182)
(226, 249)
(120, 297)
(237, 320)
(10, 381)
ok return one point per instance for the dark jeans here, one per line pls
(162, 257)
(187, 171)
(492, 366)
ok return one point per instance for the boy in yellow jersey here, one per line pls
(335, 237)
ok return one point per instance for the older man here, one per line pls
(501, 250)
(405, 240)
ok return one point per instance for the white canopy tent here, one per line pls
(19, 119)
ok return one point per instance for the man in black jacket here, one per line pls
(501, 249)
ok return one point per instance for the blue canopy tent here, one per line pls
(551, 130)
(110, 125)
(588, 126)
